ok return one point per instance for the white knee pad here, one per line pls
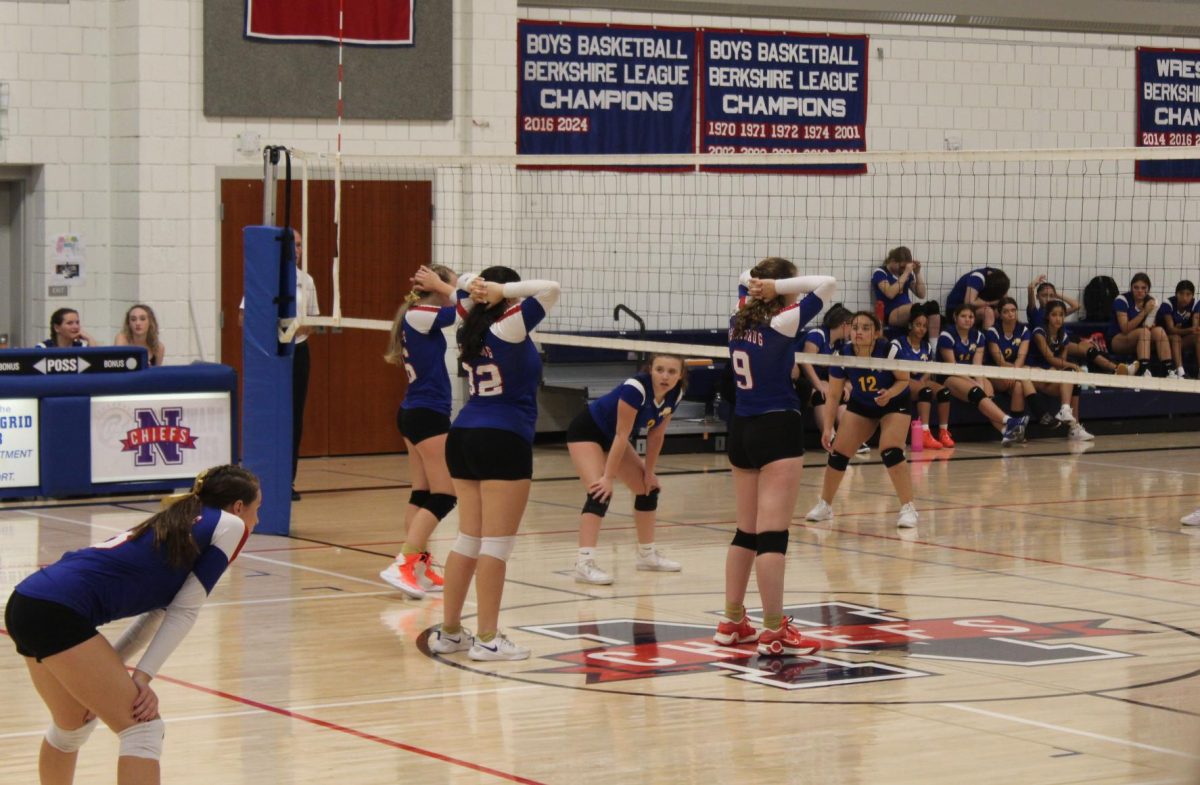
(498, 547)
(69, 740)
(143, 740)
(467, 545)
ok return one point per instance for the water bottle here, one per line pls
(918, 435)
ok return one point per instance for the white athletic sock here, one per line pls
(586, 553)
(645, 549)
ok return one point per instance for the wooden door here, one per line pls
(386, 235)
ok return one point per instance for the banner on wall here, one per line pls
(1168, 109)
(19, 443)
(366, 22)
(605, 89)
(157, 437)
(770, 92)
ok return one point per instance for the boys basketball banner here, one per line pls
(157, 437)
(784, 92)
(371, 22)
(1168, 109)
(605, 89)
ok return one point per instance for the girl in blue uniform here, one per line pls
(1181, 321)
(417, 343)
(923, 389)
(490, 450)
(826, 339)
(878, 400)
(161, 572)
(598, 440)
(1050, 347)
(963, 344)
(765, 445)
(892, 283)
(1133, 331)
(1041, 292)
(1007, 346)
(981, 289)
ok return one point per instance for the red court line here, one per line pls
(350, 731)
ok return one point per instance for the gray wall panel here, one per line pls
(244, 78)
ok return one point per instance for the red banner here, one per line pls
(372, 22)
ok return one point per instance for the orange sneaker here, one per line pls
(431, 581)
(785, 640)
(731, 633)
(930, 443)
(944, 438)
(402, 574)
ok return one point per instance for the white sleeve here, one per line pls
(461, 298)
(138, 634)
(177, 621)
(545, 292)
(421, 319)
(744, 278)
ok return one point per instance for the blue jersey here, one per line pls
(972, 280)
(120, 577)
(906, 351)
(1009, 345)
(763, 357)
(425, 358)
(964, 349)
(504, 378)
(638, 392)
(866, 383)
(1123, 304)
(819, 337)
(1036, 315)
(1170, 310)
(883, 276)
(1057, 345)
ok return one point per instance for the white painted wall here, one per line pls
(106, 97)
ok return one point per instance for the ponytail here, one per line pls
(475, 326)
(395, 348)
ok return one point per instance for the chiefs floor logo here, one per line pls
(621, 650)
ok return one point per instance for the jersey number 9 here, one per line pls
(741, 369)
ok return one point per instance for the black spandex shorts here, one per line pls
(417, 424)
(488, 454)
(898, 405)
(584, 429)
(756, 441)
(41, 628)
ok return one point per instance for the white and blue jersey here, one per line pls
(972, 280)
(964, 348)
(1009, 345)
(906, 351)
(882, 276)
(819, 337)
(1123, 304)
(425, 358)
(763, 356)
(637, 391)
(866, 383)
(1180, 317)
(504, 378)
(1057, 345)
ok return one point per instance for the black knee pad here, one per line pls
(594, 507)
(976, 396)
(943, 395)
(892, 456)
(838, 461)
(418, 498)
(817, 398)
(745, 540)
(646, 502)
(925, 395)
(1092, 353)
(440, 504)
(772, 542)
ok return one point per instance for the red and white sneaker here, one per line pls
(944, 438)
(402, 574)
(431, 580)
(731, 633)
(785, 640)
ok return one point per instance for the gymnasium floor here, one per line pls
(1042, 625)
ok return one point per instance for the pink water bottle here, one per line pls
(918, 435)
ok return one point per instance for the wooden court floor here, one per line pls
(1041, 625)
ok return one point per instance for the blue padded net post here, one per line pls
(270, 281)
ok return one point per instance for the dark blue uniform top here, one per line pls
(883, 276)
(866, 383)
(638, 392)
(1170, 310)
(972, 280)
(1057, 344)
(906, 351)
(1009, 345)
(425, 358)
(964, 350)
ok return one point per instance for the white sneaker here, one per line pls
(863, 449)
(501, 648)
(396, 576)
(441, 643)
(822, 512)
(1078, 434)
(586, 571)
(656, 562)
(1065, 414)
(1191, 519)
(1179, 373)
(1148, 373)
(908, 516)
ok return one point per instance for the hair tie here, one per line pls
(413, 297)
(170, 501)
